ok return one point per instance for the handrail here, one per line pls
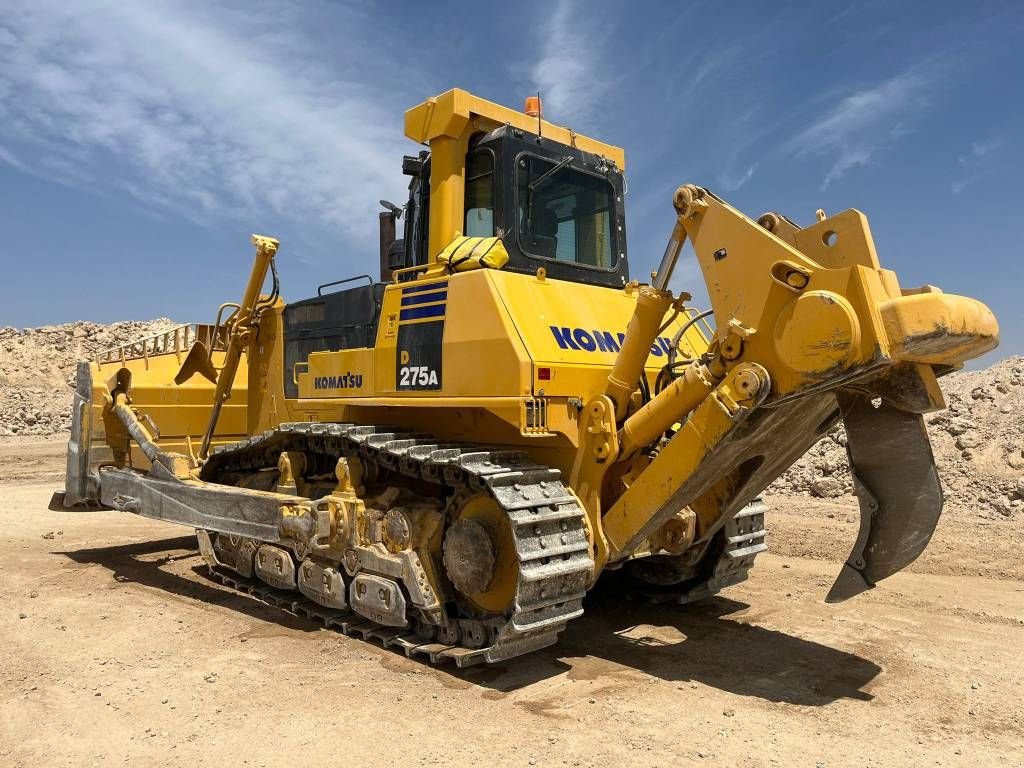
(320, 289)
(174, 341)
(397, 273)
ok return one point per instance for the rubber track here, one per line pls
(547, 521)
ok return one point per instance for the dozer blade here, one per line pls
(897, 484)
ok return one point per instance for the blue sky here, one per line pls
(141, 143)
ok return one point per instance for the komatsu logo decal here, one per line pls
(601, 341)
(345, 381)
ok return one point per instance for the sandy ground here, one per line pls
(116, 649)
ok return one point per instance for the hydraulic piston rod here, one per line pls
(672, 404)
(241, 332)
(651, 305)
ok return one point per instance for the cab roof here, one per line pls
(450, 113)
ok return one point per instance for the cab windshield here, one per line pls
(565, 214)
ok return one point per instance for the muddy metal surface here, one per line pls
(116, 649)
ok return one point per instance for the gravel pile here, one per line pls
(978, 441)
(37, 370)
(978, 444)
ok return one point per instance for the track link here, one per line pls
(546, 519)
(744, 540)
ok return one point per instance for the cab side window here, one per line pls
(479, 194)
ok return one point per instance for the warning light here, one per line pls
(533, 106)
(544, 374)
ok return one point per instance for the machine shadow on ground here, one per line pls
(707, 643)
(129, 563)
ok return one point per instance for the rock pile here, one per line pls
(978, 444)
(37, 370)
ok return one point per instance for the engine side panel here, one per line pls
(487, 340)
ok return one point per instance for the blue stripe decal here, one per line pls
(424, 298)
(417, 313)
(421, 288)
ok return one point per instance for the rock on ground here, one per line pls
(37, 370)
(978, 443)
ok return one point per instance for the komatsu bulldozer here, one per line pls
(447, 458)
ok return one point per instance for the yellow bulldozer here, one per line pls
(447, 458)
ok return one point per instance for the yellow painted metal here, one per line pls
(240, 333)
(671, 405)
(447, 122)
(937, 328)
(265, 376)
(143, 435)
(800, 323)
(808, 326)
(180, 412)
(448, 113)
(348, 373)
(645, 506)
(651, 306)
(589, 325)
(842, 318)
(501, 328)
(498, 594)
(598, 449)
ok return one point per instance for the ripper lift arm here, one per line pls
(808, 324)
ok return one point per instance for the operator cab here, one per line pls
(554, 206)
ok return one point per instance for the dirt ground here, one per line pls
(116, 649)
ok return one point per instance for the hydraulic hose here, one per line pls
(674, 347)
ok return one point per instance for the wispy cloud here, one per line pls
(208, 112)
(855, 129)
(978, 162)
(568, 73)
(980, 149)
(732, 182)
(10, 159)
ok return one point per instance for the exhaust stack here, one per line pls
(387, 218)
